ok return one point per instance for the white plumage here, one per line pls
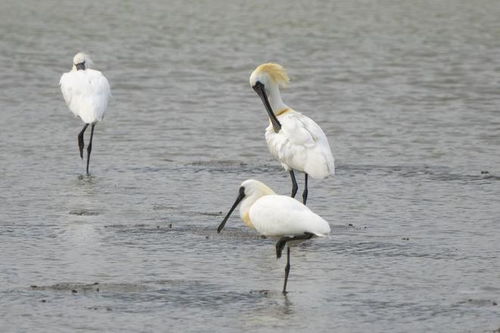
(301, 145)
(279, 216)
(86, 92)
(292, 138)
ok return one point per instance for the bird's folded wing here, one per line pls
(90, 85)
(66, 87)
(279, 215)
(301, 130)
(97, 84)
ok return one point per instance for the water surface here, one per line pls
(407, 92)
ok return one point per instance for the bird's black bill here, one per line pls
(240, 197)
(261, 91)
(80, 66)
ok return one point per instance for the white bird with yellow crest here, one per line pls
(277, 216)
(294, 139)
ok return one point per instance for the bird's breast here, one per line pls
(246, 219)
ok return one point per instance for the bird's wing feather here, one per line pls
(279, 215)
(301, 145)
(66, 84)
(301, 130)
(86, 93)
(99, 86)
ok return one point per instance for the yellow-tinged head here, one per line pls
(250, 190)
(266, 81)
(269, 73)
(254, 187)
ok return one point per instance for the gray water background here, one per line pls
(407, 92)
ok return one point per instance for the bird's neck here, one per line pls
(248, 202)
(275, 100)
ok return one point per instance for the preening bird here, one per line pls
(86, 92)
(277, 216)
(292, 138)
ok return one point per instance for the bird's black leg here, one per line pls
(295, 187)
(287, 269)
(304, 194)
(80, 140)
(281, 244)
(89, 147)
(279, 249)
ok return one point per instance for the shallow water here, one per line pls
(408, 93)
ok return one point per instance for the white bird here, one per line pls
(278, 216)
(86, 92)
(292, 138)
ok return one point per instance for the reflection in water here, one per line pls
(287, 306)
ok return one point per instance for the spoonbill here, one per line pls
(276, 216)
(86, 92)
(292, 138)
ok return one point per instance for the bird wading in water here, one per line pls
(277, 216)
(86, 92)
(292, 138)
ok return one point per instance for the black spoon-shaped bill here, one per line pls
(240, 197)
(261, 91)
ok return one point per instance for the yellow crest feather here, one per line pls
(276, 72)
